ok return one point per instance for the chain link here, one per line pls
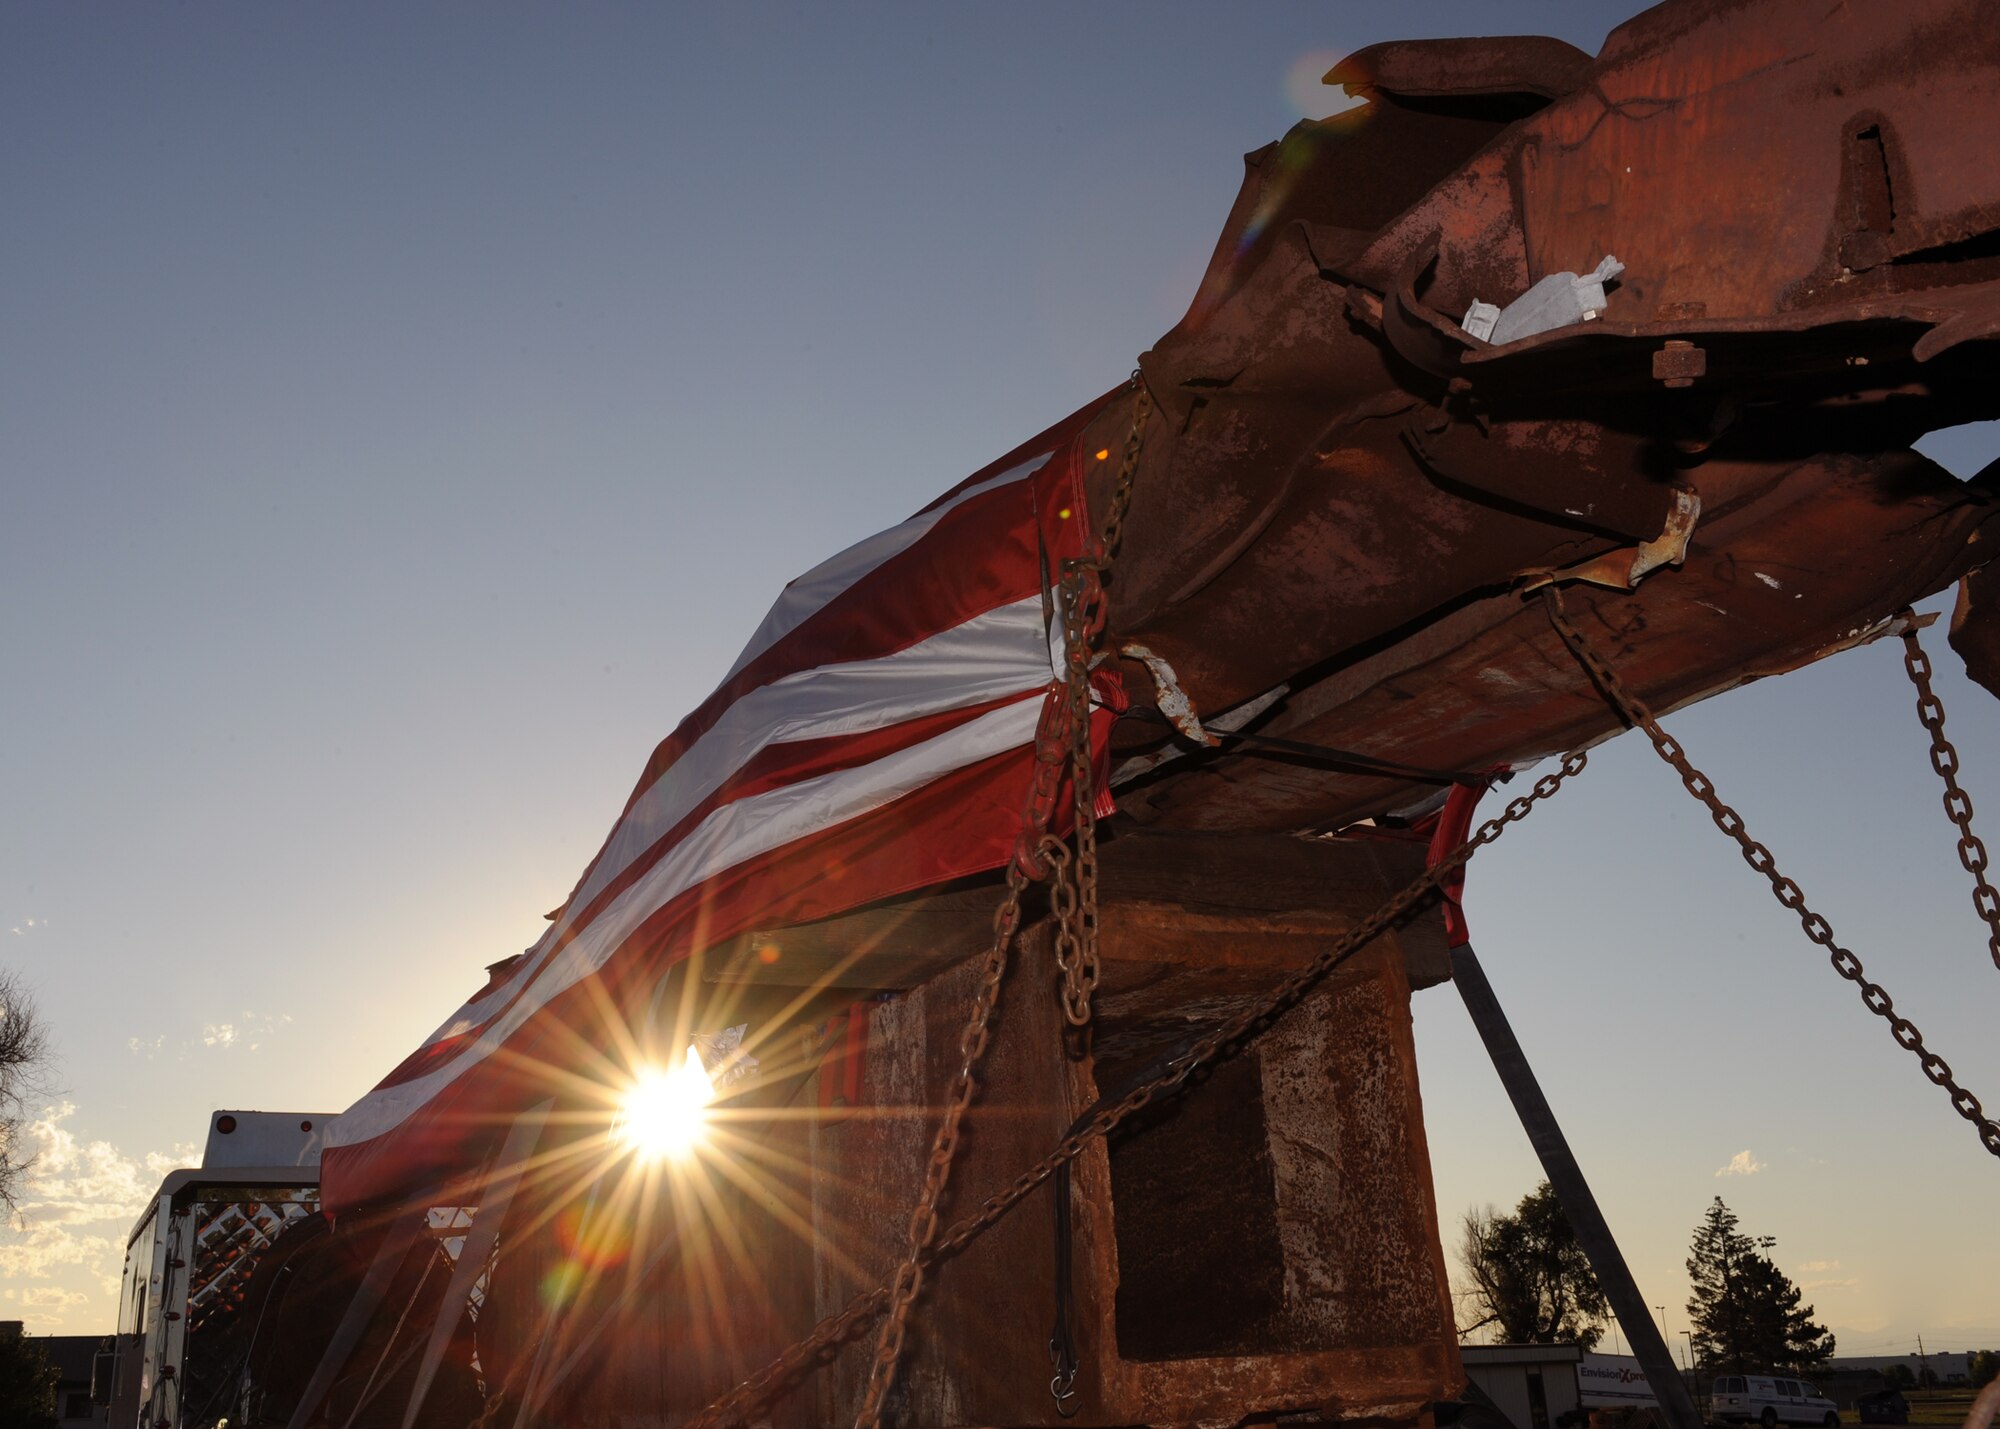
(909, 1278)
(1073, 895)
(1957, 803)
(1225, 1039)
(1074, 882)
(1876, 999)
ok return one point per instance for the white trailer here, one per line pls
(189, 1258)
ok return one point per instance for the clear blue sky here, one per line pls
(407, 411)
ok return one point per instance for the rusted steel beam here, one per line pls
(1343, 503)
(1262, 1243)
(1251, 896)
(1346, 472)
(1559, 1163)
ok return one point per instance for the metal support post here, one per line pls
(503, 1177)
(1573, 1191)
(398, 1239)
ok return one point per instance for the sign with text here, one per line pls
(1605, 1380)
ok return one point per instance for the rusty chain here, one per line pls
(824, 1343)
(1074, 896)
(1957, 803)
(909, 1278)
(1074, 883)
(1759, 857)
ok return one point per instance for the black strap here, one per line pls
(1328, 754)
(1062, 1339)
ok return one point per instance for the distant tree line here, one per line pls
(1527, 1276)
(1983, 1368)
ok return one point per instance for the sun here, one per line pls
(664, 1113)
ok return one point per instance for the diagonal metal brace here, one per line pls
(1579, 1206)
(397, 1241)
(505, 1177)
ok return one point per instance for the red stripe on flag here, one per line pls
(1063, 431)
(774, 767)
(961, 824)
(991, 550)
(983, 554)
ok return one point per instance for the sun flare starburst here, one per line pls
(664, 1113)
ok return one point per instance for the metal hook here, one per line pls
(1062, 1388)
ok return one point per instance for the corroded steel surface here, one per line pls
(1343, 507)
(1266, 1244)
(1353, 489)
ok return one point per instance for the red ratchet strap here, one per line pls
(1454, 823)
(842, 1060)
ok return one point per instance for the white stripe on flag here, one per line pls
(804, 597)
(727, 837)
(1002, 652)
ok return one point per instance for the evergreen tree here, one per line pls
(27, 1381)
(1529, 1275)
(1746, 1311)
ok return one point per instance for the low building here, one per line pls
(1944, 1366)
(72, 1356)
(1534, 1386)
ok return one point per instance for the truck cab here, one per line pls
(183, 1313)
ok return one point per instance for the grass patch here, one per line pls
(1939, 1406)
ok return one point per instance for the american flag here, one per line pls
(874, 737)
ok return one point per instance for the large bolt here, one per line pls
(1679, 362)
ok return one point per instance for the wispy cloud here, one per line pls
(249, 1031)
(1806, 1267)
(78, 1206)
(1741, 1164)
(1847, 1284)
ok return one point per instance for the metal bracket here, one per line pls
(1626, 567)
(1170, 697)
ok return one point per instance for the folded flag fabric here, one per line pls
(875, 736)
